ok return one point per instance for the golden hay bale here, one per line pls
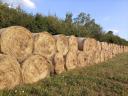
(44, 44)
(89, 48)
(17, 41)
(71, 60)
(102, 52)
(73, 44)
(10, 72)
(62, 44)
(89, 45)
(34, 69)
(98, 53)
(59, 63)
(82, 59)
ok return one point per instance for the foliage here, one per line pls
(83, 25)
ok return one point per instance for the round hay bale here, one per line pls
(34, 69)
(71, 60)
(10, 72)
(73, 44)
(59, 63)
(62, 44)
(82, 59)
(90, 49)
(81, 43)
(102, 52)
(98, 53)
(44, 44)
(17, 41)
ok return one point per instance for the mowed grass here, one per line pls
(106, 79)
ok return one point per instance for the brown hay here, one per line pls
(82, 59)
(34, 69)
(62, 44)
(10, 72)
(59, 63)
(73, 44)
(71, 60)
(44, 44)
(17, 41)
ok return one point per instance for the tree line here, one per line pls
(82, 25)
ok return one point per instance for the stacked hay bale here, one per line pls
(90, 49)
(60, 56)
(102, 51)
(71, 57)
(82, 59)
(17, 41)
(82, 56)
(10, 72)
(45, 45)
(35, 68)
(98, 53)
(110, 50)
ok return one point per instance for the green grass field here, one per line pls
(106, 79)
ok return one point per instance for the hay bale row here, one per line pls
(28, 58)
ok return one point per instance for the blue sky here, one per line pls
(110, 14)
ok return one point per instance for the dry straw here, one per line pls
(82, 59)
(71, 60)
(34, 69)
(10, 72)
(17, 41)
(98, 53)
(73, 44)
(89, 48)
(59, 63)
(44, 44)
(62, 44)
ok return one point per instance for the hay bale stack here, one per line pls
(35, 68)
(71, 60)
(10, 72)
(62, 44)
(17, 41)
(59, 63)
(73, 44)
(82, 59)
(90, 49)
(44, 44)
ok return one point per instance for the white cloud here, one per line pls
(14, 3)
(115, 31)
(28, 3)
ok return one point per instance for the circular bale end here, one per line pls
(59, 63)
(82, 59)
(17, 41)
(34, 69)
(10, 72)
(44, 44)
(73, 44)
(62, 44)
(71, 60)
